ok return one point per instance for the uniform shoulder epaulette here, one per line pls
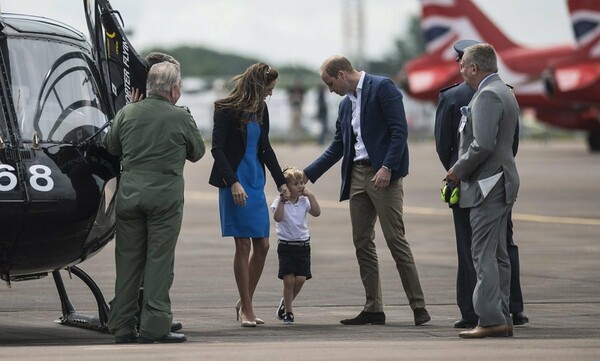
(449, 87)
(512, 90)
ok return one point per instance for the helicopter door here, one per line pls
(10, 186)
(121, 66)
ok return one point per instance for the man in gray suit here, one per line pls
(447, 120)
(489, 184)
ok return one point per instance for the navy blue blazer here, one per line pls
(447, 120)
(383, 129)
(229, 146)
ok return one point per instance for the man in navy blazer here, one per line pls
(371, 137)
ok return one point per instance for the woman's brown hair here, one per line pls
(247, 96)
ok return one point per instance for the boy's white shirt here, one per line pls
(293, 226)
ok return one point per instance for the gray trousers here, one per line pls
(490, 258)
(366, 204)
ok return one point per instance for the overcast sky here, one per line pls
(303, 32)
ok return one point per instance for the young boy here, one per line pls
(294, 240)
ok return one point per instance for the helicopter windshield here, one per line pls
(54, 90)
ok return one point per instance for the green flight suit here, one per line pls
(154, 138)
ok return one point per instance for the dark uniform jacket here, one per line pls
(447, 119)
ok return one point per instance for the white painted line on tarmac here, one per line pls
(196, 196)
(112, 347)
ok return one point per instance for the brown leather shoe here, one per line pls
(510, 331)
(486, 331)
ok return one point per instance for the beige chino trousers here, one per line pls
(366, 205)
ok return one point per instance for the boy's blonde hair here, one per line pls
(292, 173)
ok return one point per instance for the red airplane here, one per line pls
(446, 21)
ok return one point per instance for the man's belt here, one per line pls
(363, 162)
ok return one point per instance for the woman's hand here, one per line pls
(284, 191)
(239, 194)
(283, 199)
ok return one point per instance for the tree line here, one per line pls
(209, 64)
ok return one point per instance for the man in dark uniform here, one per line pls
(154, 138)
(447, 120)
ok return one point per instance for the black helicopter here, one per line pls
(58, 93)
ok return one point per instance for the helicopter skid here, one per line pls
(83, 321)
(70, 316)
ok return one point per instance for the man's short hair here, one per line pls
(155, 57)
(162, 77)
(482, 55)
(335, 64)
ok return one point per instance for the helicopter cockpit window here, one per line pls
(54, 91)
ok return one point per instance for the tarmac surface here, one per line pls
(557, 227)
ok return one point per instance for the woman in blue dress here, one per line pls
(241, 149)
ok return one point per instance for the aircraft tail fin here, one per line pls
(446, 21)
(577, 77)
(585, 19)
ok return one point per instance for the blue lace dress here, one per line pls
(251, 220)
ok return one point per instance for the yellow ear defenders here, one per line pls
(451, 193)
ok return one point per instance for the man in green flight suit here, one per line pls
(154, 138)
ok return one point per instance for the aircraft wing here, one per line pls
(425, 84)
(579, 82)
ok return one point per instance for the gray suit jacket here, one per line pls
(486, 142)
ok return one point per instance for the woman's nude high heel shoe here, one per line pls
(238, 305)
(245, 323)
